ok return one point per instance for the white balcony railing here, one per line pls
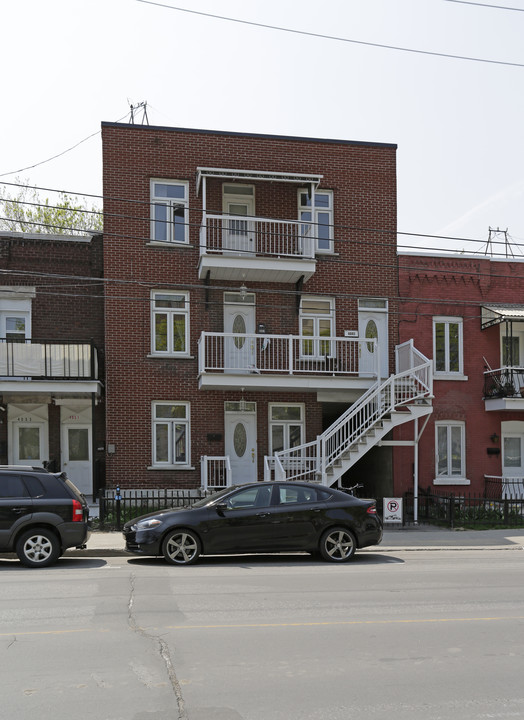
(35, 359)
(256, 236)
(286, 355)
(215, 472)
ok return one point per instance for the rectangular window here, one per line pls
(169, 211)
(317, 320)
(450, 450)
(510, 351)
(170, 323)
(286, 427)
(322, 221)
(170, 434)
(447, 346)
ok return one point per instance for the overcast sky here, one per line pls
(71, 64)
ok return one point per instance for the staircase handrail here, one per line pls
(379, 400)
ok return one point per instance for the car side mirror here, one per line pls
(221, 508)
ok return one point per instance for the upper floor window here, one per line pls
(15, 313)
(322, 222)
(170, 323)
(169, 211)
(447, 346)
(317, 321)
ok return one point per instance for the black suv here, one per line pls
(41, 515)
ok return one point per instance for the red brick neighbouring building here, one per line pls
(467, 314)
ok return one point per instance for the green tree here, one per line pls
(67, 215)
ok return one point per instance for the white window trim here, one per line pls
(158, 465)
(314, 220)
(316, 338)
(271, 423)
(170, 352)
(170, 202)
(449, 374)
(451, 479)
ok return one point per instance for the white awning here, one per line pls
(253, 175)
(496, 314)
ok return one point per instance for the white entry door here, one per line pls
(238, 231)
(373, 324)
(29, 444)
(241, 443)
(240, 351)
(76, 456)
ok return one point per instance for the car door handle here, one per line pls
(263, 514)
(18, 510)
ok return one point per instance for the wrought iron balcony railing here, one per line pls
(504, 382)
(42, 359)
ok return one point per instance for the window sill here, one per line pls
(167, 244)
(450, 376)
(170, 467)
(451, 481)
(170, 357)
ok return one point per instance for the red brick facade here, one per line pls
(458, 287)
(362, 178)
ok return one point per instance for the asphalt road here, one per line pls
(405, 635)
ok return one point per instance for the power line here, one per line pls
(486, 5)
(332, 37)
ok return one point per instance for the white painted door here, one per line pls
(240, 351)
(238, 230)
(373, 326)
(29, 443)
(241, 445)
(76, 456)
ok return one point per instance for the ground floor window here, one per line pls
(170, 434)
(286, 426)
(450, 451)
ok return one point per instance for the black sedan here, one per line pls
(266, 517)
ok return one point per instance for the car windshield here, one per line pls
(211, 498)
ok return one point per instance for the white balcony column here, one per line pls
(290, 354)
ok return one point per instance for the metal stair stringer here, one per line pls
(401, 398)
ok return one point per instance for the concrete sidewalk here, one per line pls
(422, 537)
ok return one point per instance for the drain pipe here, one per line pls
(415, 475)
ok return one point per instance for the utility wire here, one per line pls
(332, 37)
(486, 5)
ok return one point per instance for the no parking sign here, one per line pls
(393, 510)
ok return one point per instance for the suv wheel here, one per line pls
(38, 547)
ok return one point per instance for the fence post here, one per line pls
(506, 511)
(101, 507)
(118, 500)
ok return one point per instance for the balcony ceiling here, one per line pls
(254, 175)
(242, 268)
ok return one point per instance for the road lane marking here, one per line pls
(342, 622)
(50, 632)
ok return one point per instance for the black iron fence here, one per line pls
(467, 511)
(116, 507)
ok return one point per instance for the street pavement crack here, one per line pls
(163, 649)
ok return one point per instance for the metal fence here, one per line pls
(116, 507)
(468, 511)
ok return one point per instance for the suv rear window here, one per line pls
(11, 486)
(35, 486)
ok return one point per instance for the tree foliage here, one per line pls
(25, 211)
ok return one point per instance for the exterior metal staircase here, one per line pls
(403, 397)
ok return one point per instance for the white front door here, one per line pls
(239, 351)
(373, 325)
(238, 232)
(76, 456)
(240, 438)
(28, 444)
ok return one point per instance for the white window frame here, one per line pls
(446, 373)
(171, 204)
(171, 423)
(318, 344)
(305, 209)
(286, 424)
(448, 478)
(170, 313)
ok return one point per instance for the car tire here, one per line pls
(38, 547)
(181, 547)
(338, 544)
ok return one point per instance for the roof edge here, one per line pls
(263, 136)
